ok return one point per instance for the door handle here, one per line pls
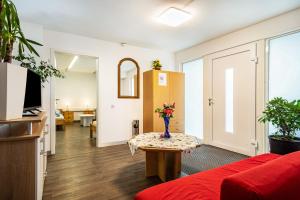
(254, 143)
(210, 101)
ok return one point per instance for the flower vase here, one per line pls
(167, 122)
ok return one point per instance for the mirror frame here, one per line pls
(137, 96)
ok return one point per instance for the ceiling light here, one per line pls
(73, 62)
(174, 17)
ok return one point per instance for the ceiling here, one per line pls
(133, 21)
(84, 64)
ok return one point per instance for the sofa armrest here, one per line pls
(278, 179)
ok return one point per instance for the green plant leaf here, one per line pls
(11, 32)
(284, 115)
(34, 42)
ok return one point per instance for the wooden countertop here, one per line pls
(18, 138)
(38, 118)
(78, 110)
(16, 130)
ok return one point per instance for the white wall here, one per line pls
(268, 28)
(116, 114)
(76, 91)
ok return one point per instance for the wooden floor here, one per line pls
(79, 170)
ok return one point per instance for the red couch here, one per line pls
(263, 177)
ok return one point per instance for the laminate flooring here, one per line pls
(80, 171)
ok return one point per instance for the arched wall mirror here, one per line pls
(128, 79)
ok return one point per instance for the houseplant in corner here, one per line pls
(285, 116)
(166, 112)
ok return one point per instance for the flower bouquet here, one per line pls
(166, 112)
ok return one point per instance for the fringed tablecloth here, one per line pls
(178, 141)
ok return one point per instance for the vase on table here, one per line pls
(167, 122)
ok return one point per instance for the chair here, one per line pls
(93, 127)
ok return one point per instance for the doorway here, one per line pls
(232, 99)
(193, 71)
(74, 100)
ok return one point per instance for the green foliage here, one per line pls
(156, 64)
(43, 68)
(284, 115)
(10, 32)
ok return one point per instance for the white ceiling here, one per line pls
(84, 64)
(132, 21)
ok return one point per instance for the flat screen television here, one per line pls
(33, 94)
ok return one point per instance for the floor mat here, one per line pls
(208, 157)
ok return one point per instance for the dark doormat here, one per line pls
(208, 157)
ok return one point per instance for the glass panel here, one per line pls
(132, 87)
(194, 97)
(284, 68)
(229, 100)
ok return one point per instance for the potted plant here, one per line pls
(285, 116)
(156, 65)
(166, 112)
(13, 77)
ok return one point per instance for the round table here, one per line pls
(163, 156)
(86, 119)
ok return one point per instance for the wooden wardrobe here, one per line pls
(163, 87)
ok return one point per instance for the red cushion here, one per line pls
(201, 186)
(276, 180)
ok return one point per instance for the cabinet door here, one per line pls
(148, 102)
(39, 167)
(160, 96)
(176, 94)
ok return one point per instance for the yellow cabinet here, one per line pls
(163, 87)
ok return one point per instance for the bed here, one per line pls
(60, 120)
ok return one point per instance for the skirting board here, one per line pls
(112, 143)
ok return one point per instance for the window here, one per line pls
(284, 68)
(194, 97)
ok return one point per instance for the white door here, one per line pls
(233, 100)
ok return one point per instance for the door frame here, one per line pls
(258, 53)
(52, 99)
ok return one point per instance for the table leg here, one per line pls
(165, 165)
(151, 163)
